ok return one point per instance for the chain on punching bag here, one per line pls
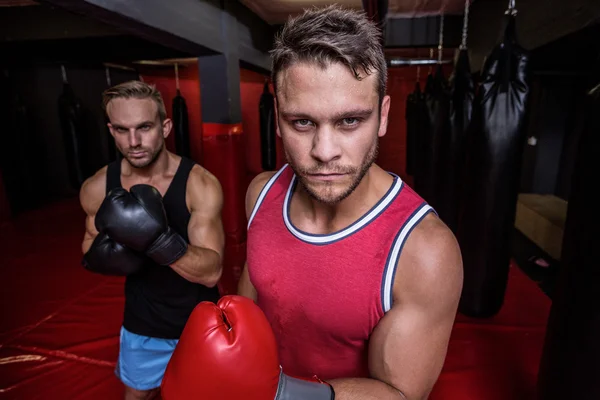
(492, 176)
(267, 130)
(180, 121)
(462, 93)
(70, 116)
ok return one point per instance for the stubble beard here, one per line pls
(326, 194)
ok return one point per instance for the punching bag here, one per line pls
(491, 183)
(450, 184)
(422, 161)
(70, 115)
(412, 128)
(569, 367)
(181, 126)
(267, 130)
(437, 100)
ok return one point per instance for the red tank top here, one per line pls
(324, 294)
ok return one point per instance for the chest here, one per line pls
(162, 184)
(335, 289)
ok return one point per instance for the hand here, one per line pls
(137, 219)
(108, 257)
(227, 351)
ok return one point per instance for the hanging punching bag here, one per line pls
(70, 115)
(438, 107)
(451, 169)
(181, 126)
(569, 367)
(491, 181)
(267, 129)
(423, 142)
(412, 128)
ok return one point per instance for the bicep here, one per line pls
(409, 345)
(245, 286)
(408, 348)
(205, 228)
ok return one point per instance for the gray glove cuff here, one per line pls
(168, 248)
(297, 389)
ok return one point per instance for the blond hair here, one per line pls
(136, 90)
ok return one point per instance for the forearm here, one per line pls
(245, 287)
(364, 389)
(199, 265)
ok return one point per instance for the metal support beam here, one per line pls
(423, 32)
(191, 26)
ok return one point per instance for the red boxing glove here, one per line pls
(227, 351)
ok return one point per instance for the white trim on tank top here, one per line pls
(389, 273)
(359, 224)
(263, 194)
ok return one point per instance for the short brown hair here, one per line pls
(331, 34)
(136, 90)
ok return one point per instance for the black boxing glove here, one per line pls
(137, 219)
(107, 257)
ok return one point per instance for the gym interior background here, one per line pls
(59, 328)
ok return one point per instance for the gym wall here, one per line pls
(33, 159)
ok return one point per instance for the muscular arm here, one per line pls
(245, 287)
(202, 262)
(91, 195)
(408, 347)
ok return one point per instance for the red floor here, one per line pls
(59, 324)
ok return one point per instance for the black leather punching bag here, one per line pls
(181, 126)
(491, 183)
(267, 130)
(71, 123)
(423, 162)
(412, 128)
(438, 107)
(569, 367)
(452, 166)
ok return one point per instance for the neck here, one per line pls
(157, 168)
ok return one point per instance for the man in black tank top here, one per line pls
(155, 218)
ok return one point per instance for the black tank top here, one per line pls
(158, 301)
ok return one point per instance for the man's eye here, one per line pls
(302, 123)
(350, 121)
(145, 128)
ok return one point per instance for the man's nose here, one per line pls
(134, 138)
(325, 147)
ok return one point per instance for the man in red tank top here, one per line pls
(356, 275)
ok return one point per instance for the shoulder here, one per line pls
(204, 188)
(254, 188)
(93, 191)
(430, 267)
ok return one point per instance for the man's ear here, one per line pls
(383, 118)
(111, 129)
(276, 117)
(167, 126)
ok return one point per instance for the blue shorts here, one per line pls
(143, 360)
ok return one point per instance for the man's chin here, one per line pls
(138, 162)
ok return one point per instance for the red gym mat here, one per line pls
(60, 324)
